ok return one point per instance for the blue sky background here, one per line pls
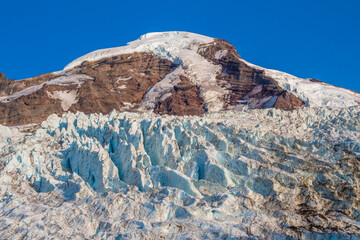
(306, 38)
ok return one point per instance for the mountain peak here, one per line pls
(173, 34)
(163, 44)
(176, 73)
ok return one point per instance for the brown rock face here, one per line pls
(4, 84)
(288, 101)
(184, 100)
(246, 85)
(315, 80)
(32, 108)
(118, 83)
(119, 80)
(8, 87)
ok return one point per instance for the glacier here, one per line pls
(256, 174)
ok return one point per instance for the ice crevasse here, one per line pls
(270, 170)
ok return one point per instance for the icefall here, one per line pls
(254, 174)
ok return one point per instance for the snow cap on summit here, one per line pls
(163, 44)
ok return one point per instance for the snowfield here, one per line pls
(259, 174)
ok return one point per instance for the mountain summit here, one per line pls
(175, 73)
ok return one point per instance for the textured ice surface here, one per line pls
(255, 174)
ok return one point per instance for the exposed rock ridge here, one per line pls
(184, 99)
(97, 87)
(247, 86)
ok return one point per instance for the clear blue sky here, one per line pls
(307, 38)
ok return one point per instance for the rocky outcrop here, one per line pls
(247, 86)
(4, 84)
(119, 82)
(184, 99)
(32, 108)
(9, 87)
(287, 101)
(112, 83)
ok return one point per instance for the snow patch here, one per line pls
(123, 79)
(69, 80)
(162, 88)
(129, 105)
(271, 102)
(65, 80)
(165, 96)
(220, 54)
(25, 92)
(67, 98)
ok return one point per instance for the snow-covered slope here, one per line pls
(313, 93)
(164, 44)
(260, 174)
